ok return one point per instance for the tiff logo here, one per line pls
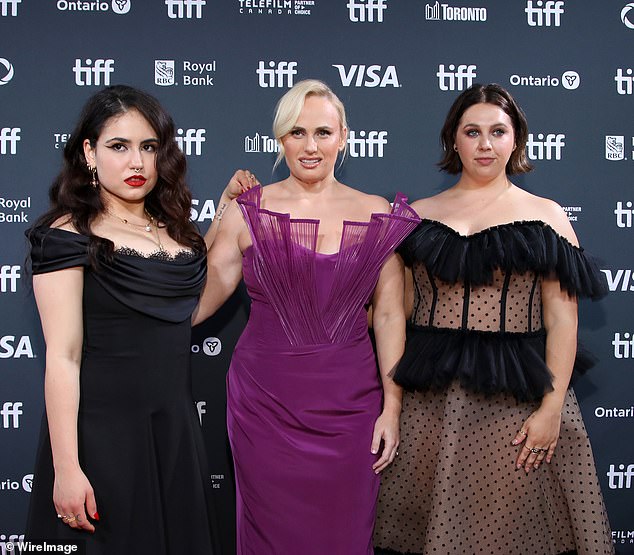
(9, 137)
(623, 348)
(621, 478)
(93, 74)
(624, 82)
(192, 141)
(200, 408)
(624, 277)
(6, 4)
(279, 75)
(546, 146)
(179, 9)
(11, 414)
(9, 276)
(458, 78)
(365, 10)
(368, 144)
(548, 15)
(624, 215)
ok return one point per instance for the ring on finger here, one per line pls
(523, 432)
(537, 450)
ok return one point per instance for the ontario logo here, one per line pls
(120, 7)
(7, 74)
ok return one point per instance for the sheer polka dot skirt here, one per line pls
(454, 490)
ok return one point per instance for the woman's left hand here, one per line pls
(241, 181)
(385, 431)
(539, 436)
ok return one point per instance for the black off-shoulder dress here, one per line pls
(140, 442)
(474, 369)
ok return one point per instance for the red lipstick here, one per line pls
(135, 180)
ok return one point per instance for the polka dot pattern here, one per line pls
(454, 490)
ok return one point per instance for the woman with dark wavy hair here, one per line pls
(117, 270)
(494, 457)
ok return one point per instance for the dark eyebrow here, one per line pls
(127, 141)
(499, 124)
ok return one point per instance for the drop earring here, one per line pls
(94, 180)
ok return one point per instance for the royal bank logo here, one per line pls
(118, 6)
(192, 73)
(542, 13)
(366, 144)
(545, 146)
(9, 138)
(620, 280)
(569, 80)
(164, 75)
(14, 211)
(276, 7)
(95, 73)
(260, 143)
(277, 74)
(624, 81)
(627, 15)
(185, 9)
(6, 74)
(456, 77)
(615, 147)
(366, 11)
(9, 7)
(624, 214)
(367, 76)
(445, 12)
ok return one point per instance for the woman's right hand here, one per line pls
(240, 182)
(74, 498)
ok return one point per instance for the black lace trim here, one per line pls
(163, 255)
(524, 246)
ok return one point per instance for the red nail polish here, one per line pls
(95, 516)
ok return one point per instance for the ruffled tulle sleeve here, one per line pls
(527, 246)
(55, 249)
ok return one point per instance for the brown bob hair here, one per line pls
(489, 94)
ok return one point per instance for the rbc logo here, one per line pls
(546, 146)
(179, 9)
(22, 349)
(365, 10)
(9, 137)
(280, 75)
(457, 78)
(368, 76)
(544, 13)
(93, 74)
(191, 142)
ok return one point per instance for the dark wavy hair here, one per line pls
(489, 94)
(74, 198)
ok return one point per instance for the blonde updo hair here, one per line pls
(290, 105)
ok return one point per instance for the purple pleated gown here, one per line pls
(303, 391)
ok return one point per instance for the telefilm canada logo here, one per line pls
(6, 71)
(120, 7)
(622, 537)
(276, 7)
(196, 74)
(445, 12)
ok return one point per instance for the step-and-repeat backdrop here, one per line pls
(219, 66)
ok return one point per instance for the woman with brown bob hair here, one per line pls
(117, 270)
(494, 457)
